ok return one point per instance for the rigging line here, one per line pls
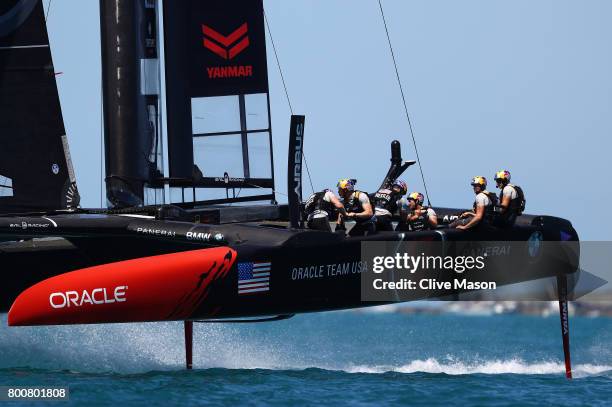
(278, 62)
(308, 172)
(404, 101)
(101, 142)
(48, 9)
(286, 92)
(259, 186)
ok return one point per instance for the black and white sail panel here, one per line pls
(218, 117)
(35, 168)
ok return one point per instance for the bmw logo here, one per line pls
(535, 243)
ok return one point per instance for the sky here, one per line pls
(521, 85)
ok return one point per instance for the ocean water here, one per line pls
(338, 358)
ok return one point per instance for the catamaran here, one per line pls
(204, 239)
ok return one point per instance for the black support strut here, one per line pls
(564, 314)
(189, 344)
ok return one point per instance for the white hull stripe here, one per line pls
(253, 280)
(254, 290)
(23, 47)
(50, 220)
(253, 285)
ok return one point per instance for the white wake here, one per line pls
(511, 366)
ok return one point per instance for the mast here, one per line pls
(129, 86)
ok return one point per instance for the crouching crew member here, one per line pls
(320, 208)
(414, 216)
(483, 213)
(511, 200)
(386, 204)
(358, 208)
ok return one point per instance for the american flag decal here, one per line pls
(253, 277)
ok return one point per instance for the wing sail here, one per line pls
(35, 169)
(219, 130)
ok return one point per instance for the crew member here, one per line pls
(484, 207)
(358, 208)
(414, 216)
(511, 200)
(386, 203)
(319, 209)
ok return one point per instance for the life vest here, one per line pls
(489, 215)
(353, 205)
(385, 199)
(517, 205)
(421, 222)
(316, 203)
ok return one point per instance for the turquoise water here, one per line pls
(341, 358)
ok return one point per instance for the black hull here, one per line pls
(82, 241)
